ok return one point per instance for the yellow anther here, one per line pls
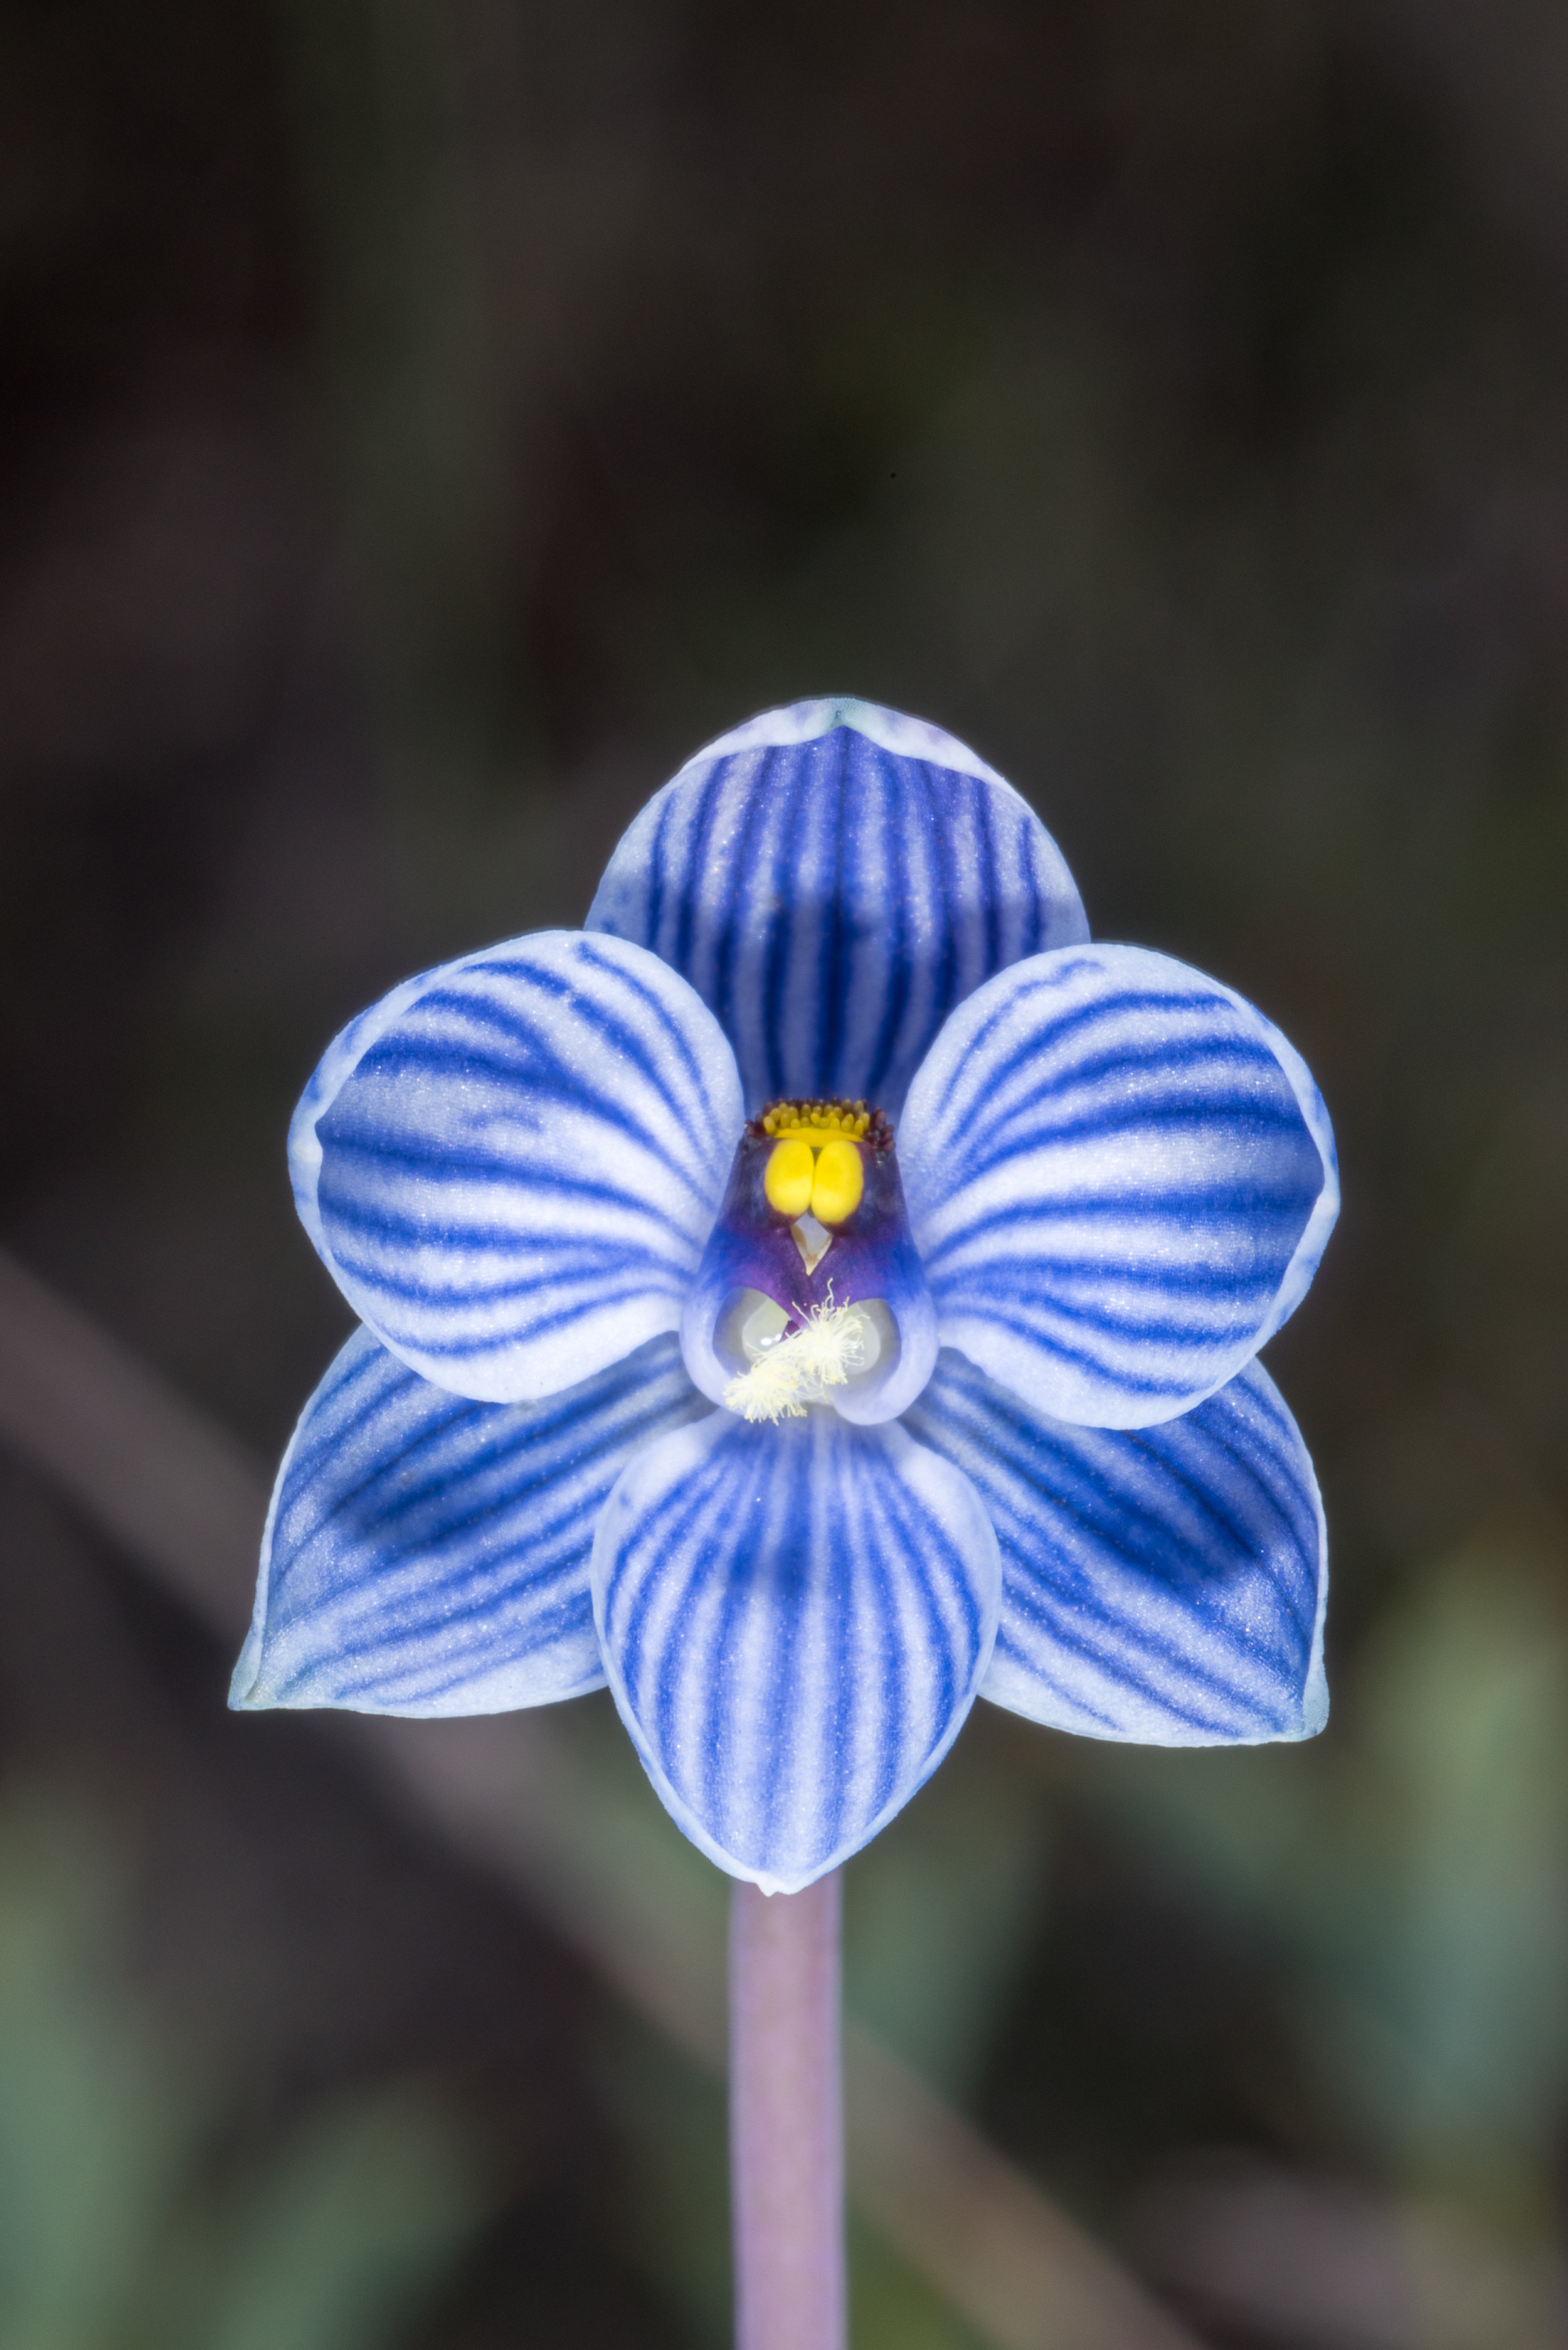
(839, 1181)
(788, 1179)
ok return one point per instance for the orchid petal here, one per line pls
(1166, 1585)
(795, 1621)
(428, 1554)
(511, 1164)
(833, 878)
(1120, 1180)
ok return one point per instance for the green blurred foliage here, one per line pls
(127, 2222)
(1412, 1870)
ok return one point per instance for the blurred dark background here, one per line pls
(423, 426)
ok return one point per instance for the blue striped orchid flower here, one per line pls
(821, 1291)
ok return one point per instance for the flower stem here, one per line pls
(787, 2118)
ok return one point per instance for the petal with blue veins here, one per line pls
(428, 1554)
(1120, 1180)
(1160, 1584)
(795, 1621)
(833, 878)
(511, 1164)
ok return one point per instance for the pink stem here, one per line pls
(787, 2120)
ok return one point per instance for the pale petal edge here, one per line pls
(1303, 1264)
(803, 722)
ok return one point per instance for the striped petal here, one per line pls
(511, 1164)
(833, 878)
(1165, 1584)
(795, 1622)
(1120, 1177)
(428, 1554)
